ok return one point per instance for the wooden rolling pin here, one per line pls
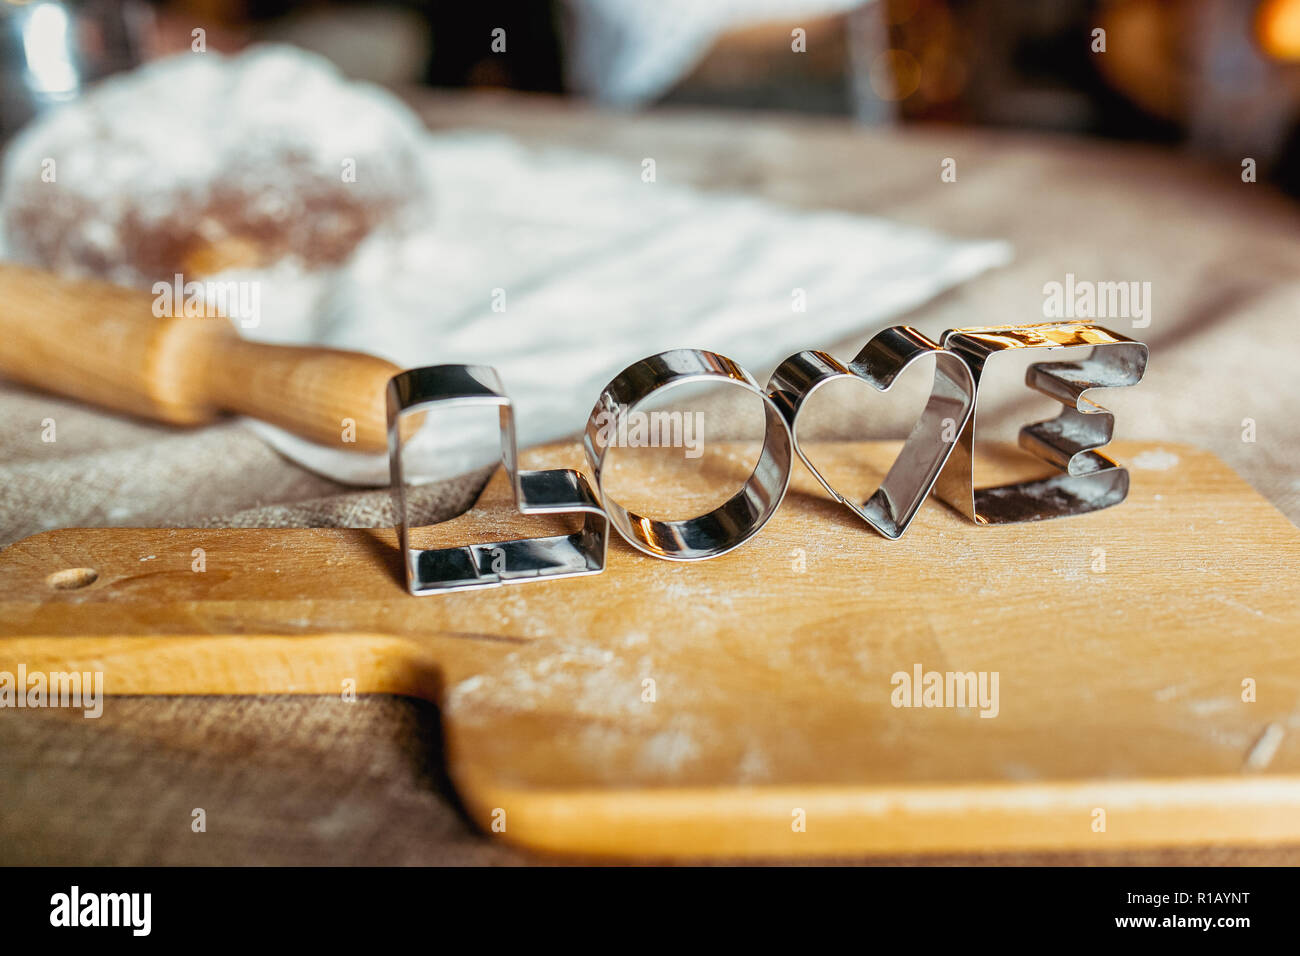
(102, 343)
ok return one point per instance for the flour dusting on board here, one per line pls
(1155, 459)
(607, 686)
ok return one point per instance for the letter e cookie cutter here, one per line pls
(558, 491)
(1090, 480)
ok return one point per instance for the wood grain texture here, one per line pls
(1120, 689)
(103, 344)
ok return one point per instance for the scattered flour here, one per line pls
(1265, 748)
(1155, 459)
(600, 684)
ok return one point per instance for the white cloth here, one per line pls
(598, 268)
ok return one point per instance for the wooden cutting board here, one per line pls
(1126, 645)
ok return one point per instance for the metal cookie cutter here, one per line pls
(891, 508)
(740, 517)
(559, 491)
(1091, 481)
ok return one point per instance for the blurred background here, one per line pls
(1218, 77)
(1111, 139)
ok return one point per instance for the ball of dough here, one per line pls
(200, 162)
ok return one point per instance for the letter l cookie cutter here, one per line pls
(558, 491)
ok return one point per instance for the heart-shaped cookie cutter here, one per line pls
(891, 508)
(558, 491)
(1090, 480)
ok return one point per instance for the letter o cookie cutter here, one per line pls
(1090, 480)
(893, 505)
(735, 521)
(558, 491)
